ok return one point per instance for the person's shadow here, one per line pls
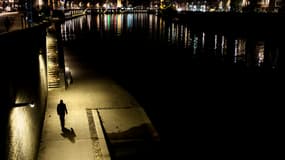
(69, 133)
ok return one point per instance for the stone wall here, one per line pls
(24, 80)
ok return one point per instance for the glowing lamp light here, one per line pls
(29, 104)
(32, 104)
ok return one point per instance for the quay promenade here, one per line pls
(103, 120)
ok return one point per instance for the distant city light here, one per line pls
(41, 2)
(179, 9)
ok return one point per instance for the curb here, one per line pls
(101, 137)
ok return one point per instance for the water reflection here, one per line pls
(239, 50)
(203, 40)
(186, 39)
(107, 22)
(129, 21)
(98, 22)
(68, 30)
(195, 44)
(234, 48)
(89, 22)
(260, 53)
(223, 47)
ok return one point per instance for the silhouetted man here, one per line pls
(61, 111)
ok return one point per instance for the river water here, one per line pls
(133, 32)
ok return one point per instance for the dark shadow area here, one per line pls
(142, 132)
(135, 143)
(69, 133)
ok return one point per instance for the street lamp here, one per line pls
(30, 104)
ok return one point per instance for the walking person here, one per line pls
(67, 77)
(61, 111)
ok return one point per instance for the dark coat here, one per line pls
(61, 109)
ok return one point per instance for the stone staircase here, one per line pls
(54, 72)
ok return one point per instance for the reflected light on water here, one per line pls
(89, 22)
(129, 21)
(203, 39)
(64, 31)
(98, 22)
(186, 37)
(239, 51)
(119, 24)
(168, 34)
(107, 22)
(223, 45)
(72, 26)
(67, 30)
(195, 44)
(173, 33)
(260, 53)
(177, 35)
(236, 49)
(151, 22)
(81, 23)
(161, 27)
(181, 33)
(155, 22)
(215, 42)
